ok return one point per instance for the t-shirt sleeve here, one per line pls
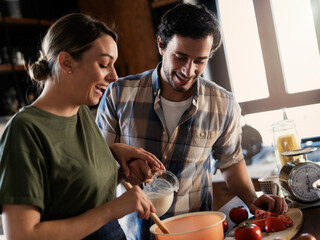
(22, 168)
(227, 149)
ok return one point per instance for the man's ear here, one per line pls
(66, 62)
(160, 44)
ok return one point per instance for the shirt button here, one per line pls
(202, 134)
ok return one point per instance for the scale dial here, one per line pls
(300, 181)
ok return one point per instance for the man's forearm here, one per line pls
(239, 182)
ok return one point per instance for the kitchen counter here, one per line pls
(311, 223)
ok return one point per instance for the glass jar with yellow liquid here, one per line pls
(285, 138)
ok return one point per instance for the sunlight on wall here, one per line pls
(243, 50)
(298, 45)
(306, 119)
(298, 50)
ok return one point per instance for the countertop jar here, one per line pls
(285, 138)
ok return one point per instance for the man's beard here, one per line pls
(168, 76)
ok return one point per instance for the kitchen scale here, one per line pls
(296, 179)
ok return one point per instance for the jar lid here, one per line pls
(283, 125)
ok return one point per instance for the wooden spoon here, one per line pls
(153, 216)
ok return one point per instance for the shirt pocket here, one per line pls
(200, 145)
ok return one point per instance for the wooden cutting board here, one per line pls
(294, 213)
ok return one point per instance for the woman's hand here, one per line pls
(24, 221)
(134, 200)
(125, 153)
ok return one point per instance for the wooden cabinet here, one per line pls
(135, 25)
(22, 35)
(163, 3)
(135, 22)
(23, 24)
(19, 41)
(222, 193)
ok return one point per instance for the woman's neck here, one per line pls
(55, 100)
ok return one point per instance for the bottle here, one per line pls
(285, 138)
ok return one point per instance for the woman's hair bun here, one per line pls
(40, 70)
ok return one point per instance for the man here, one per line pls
(188, 122)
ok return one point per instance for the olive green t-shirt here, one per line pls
(62, 165)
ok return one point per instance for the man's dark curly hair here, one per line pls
(187, 20)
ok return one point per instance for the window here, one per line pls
(298, 46)
(243, 50)
(272, 61)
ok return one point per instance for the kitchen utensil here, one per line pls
(294, 213)
(192, 226)
(270, 185)
(153, 216)
(160, 190)
(251, 143)
(297, 176)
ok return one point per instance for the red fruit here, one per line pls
(274, 224)
(262, 214)
(225, 225)
(287, 220)
(306, 236)
(238, 214)
(261, 224)
(248, 232)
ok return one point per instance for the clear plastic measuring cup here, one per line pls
(160, 190)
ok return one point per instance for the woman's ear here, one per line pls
(66, 62)
(159, 44)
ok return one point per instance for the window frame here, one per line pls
(278, 96)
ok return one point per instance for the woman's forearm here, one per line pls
(23, 222)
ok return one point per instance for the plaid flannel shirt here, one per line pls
(208, 136)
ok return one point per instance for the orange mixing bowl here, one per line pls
(192, 226)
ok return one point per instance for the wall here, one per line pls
(136, 44)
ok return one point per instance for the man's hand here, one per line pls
(271, 203)
(140, 172)
(238, 180)
(125, 154)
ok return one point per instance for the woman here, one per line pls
(58, 177)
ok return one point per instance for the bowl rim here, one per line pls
(221, 214)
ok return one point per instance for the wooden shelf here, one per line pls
(26, 21)
(161, 3)
(9, 68)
